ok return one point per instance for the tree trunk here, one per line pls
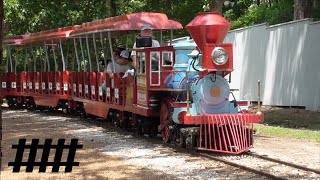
(302, 9)
(111, 8)
(1, 33)
(216, 6)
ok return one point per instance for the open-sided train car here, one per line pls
(38, 85)
(11, 87)
(179, 89)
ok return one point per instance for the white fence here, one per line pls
(285, 57)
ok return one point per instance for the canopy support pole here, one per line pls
(35, 60)
(25, 60)
(83, 60)
(47, 56)
(88, 52)
(103, 49)
(54, 57)
(10, 57)
(110, 45)
(77, 56)
(62, 57)
(95, 51)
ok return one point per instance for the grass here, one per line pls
(290, 123)
(306, 135)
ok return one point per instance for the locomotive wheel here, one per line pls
(181, 142)
(140, 130)
(165, 122)
(153, 131)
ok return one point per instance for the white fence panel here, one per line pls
(284, 57)
(249, 46)
(312, 67)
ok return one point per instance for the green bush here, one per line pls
(279, 12)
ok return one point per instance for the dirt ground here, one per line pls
(94, 165)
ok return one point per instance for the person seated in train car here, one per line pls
(142, 41)
(102, 64)
(122, 63)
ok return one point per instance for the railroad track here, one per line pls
(224, 159)
(283, 162)
(263, 171)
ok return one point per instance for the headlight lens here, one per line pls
(219, 56)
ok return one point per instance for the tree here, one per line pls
(111, 8)
(302, 9)
(216, 6)
(1, 37)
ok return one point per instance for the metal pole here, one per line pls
(188, 94)
(161, 36)
(95, 51)
(54, 57)
(15, 62)
(127, 41)
(62, 57)
(88, 52)
(171, 36)
(84, 63)
(103, 49)
(259, 98)
(40, 55)
(45, 60)
(77, 56)
(47, 56)
(8, 59)
(34, 60)
(73, 61)
(9, 51)
(66, 57)
(25, 60)
(110, 45)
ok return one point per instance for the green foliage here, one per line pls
(316, 11)
(182, 11)
(27, 16)
(255, 15)
(280, 11)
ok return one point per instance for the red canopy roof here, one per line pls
(129, 22)
(14, 40)
(61, 33)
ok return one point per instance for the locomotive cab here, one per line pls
(154, 65)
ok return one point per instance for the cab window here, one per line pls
(141, 57)
(167, 58)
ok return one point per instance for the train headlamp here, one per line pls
(219, 56)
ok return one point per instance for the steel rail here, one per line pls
(249, 169)
(283, 162)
